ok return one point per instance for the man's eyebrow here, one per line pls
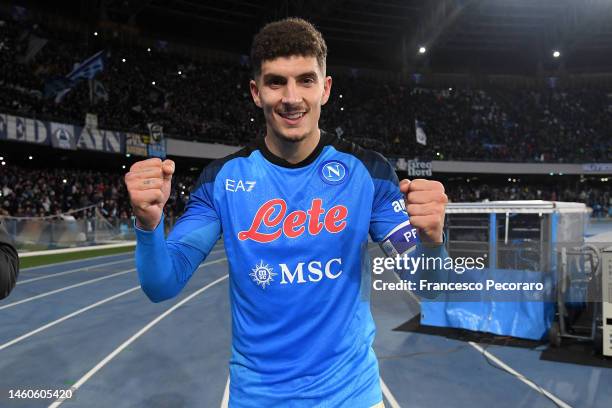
(308, 74)
(278, 77)
(273, 77)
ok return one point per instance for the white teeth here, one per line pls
(293, 115)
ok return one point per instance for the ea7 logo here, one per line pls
(239, 185)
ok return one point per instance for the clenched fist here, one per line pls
(148, 183)
(425, 204)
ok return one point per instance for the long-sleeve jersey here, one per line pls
(296, 237)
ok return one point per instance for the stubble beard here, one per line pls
(291, 139)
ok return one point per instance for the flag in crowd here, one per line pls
(59, 87)
(421, 137)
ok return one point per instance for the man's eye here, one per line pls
(308, 80)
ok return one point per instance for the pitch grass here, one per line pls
(71, 256)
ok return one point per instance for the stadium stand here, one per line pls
(43, 192)
(48, 192)
(210, 101)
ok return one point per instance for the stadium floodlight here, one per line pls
(556, 54)
(122, 59)
(30, 157)
(96, 33)
(252, 119)
(422, 50)
(340, 96)
(4, 163)
(1, 158)
(148, 49)
(180, 72)
(341, 108)
(64, 181)
(127, 155)
(123, 167)
(152, 82)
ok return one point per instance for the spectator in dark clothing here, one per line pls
(9, 264)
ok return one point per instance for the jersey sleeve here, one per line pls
(166, 265)
(390, 227)
(389, 223)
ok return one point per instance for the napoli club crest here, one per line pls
(333, 172)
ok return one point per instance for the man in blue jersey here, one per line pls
(295, 209)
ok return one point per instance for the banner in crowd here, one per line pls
(62, 136)
(414, 167)
(101, 140)
(134, 144)
(157, 149)
(59, 135)
(597, 167)
(156, 132)
(156, 143)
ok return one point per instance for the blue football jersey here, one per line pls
(296, 237)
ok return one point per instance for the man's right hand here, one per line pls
(148, 183)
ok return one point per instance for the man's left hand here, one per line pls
(425, 204)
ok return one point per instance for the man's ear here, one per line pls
(326, 89)
(255, 92)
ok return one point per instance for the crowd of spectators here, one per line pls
(194, 100)
(51, 192)
(26, 192)
(598, 198)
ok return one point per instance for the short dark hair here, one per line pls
(285, 38)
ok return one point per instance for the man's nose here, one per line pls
(291, 95)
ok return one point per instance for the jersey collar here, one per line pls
(324, 140)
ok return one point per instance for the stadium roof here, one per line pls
(505, 36)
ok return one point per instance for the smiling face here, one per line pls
(291, 91)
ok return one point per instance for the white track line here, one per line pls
(503, 365)
(520, 376)
(225, 400)
(53, 275)
(216, 251)
(58, 321)
(66, 288)
(387, 393)
(88, 267)
(78, 312)
(76, 285)
(142, 331)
